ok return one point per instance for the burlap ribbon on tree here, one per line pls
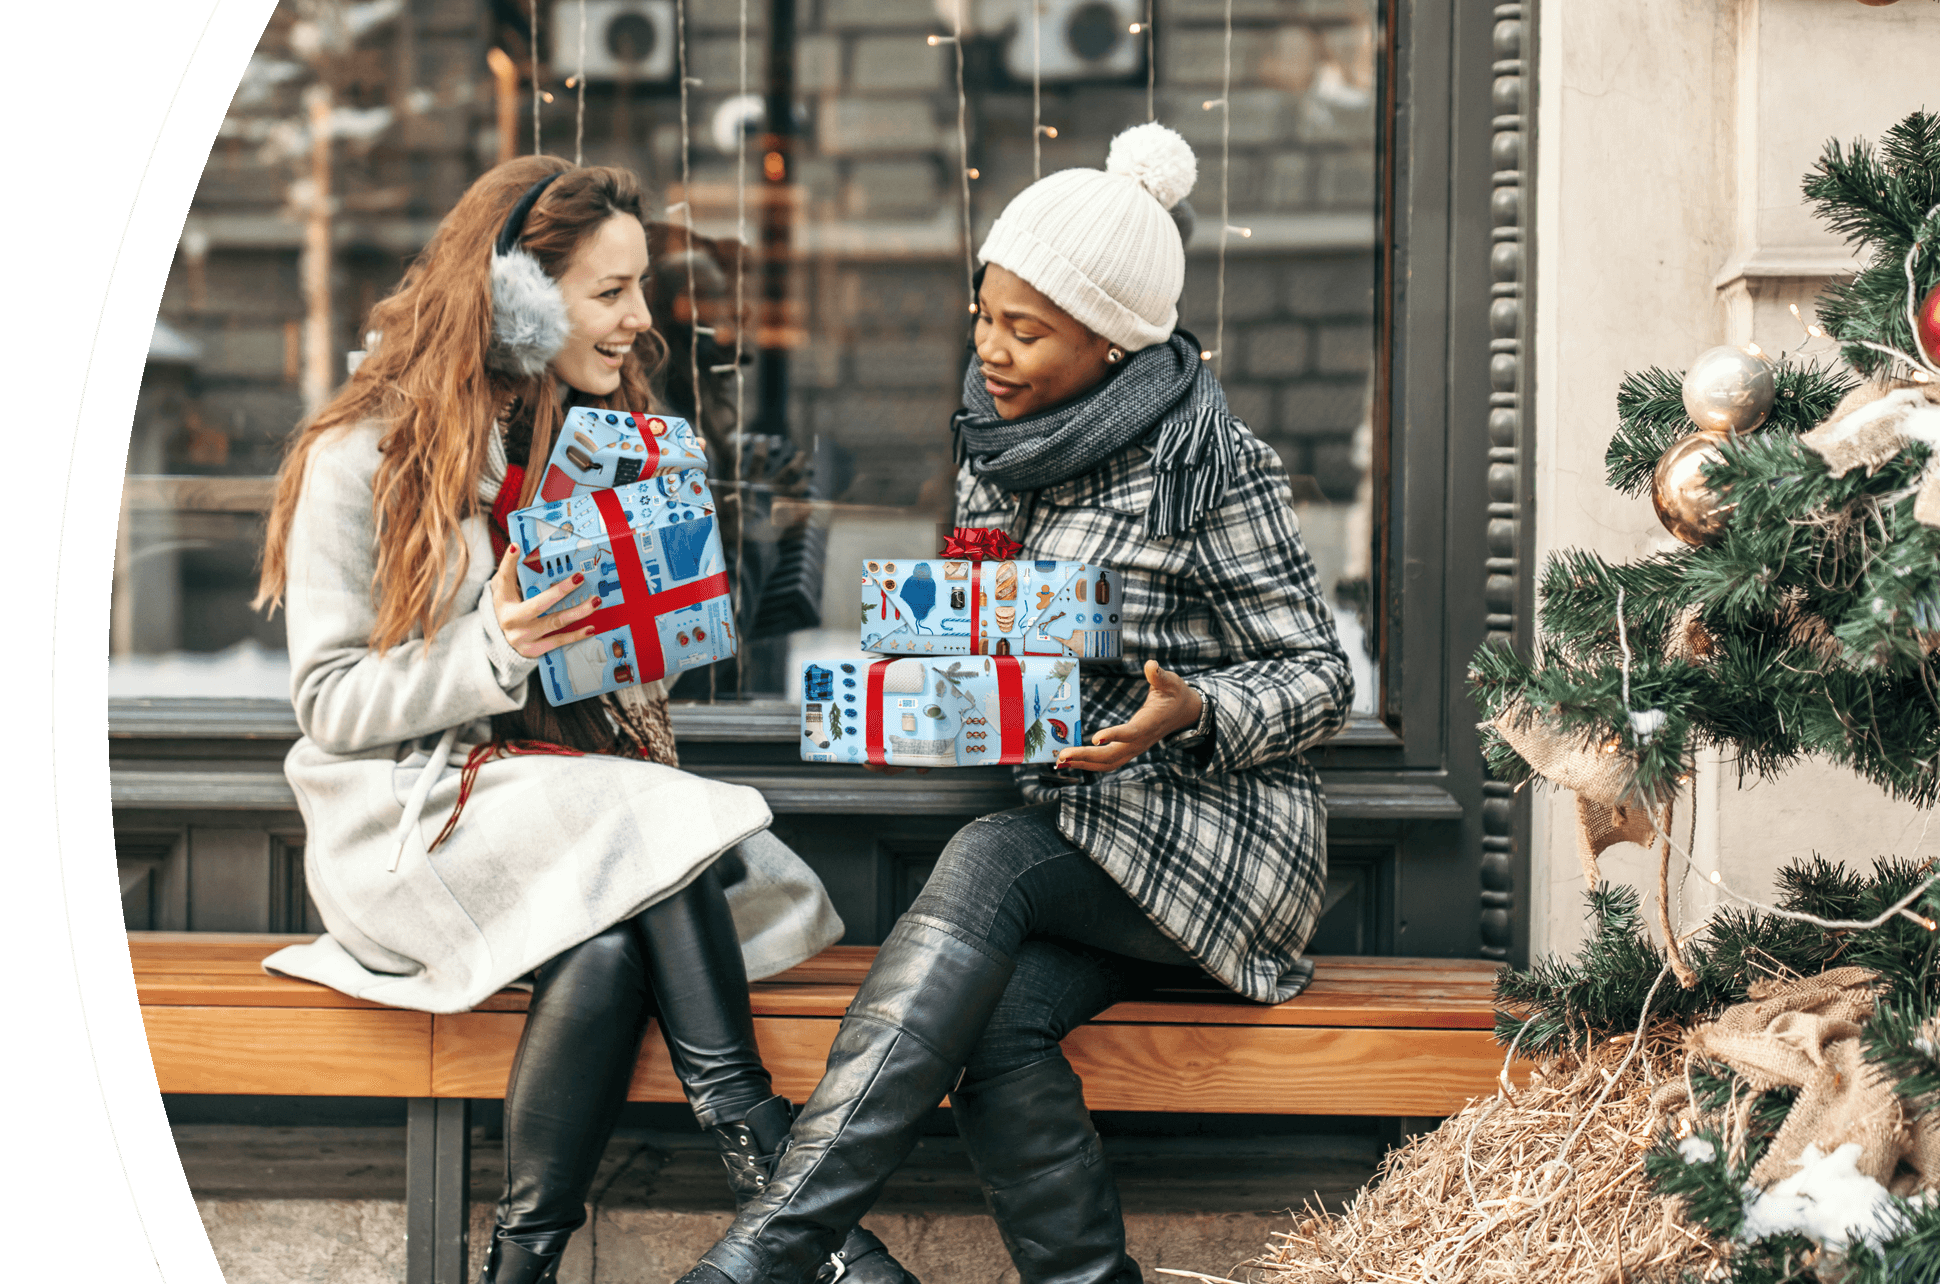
(1599, 779)
(1873, 423)
(1805, 1034)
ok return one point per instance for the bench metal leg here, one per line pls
(437, 1190)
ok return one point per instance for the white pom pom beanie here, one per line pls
(1101, 244)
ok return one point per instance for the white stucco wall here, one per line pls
(1672, 136)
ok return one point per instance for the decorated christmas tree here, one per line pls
(1755, 1099)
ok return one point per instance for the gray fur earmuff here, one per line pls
(529, 322)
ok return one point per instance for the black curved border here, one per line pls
(103, 192)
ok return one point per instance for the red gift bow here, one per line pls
(980, 542)
(640, 606)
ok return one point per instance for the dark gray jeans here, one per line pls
(1012, 883)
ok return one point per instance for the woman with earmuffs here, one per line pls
(462, 833)
(1188, 835)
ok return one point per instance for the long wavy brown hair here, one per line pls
(427, 382)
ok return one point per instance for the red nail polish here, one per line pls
(578, 578)
(596, 601)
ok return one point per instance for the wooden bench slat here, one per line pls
(1290, 1070)
(316, 1052)
(1373, 1014)
(1156, 1068)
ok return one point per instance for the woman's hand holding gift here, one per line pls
(518, 618)
(1170, 706)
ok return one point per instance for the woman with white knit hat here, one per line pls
(1189, 834)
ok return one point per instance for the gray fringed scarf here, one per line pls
(1163, 396)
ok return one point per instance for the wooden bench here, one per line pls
(1370, 1036)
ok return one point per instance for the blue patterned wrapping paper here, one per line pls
(675, 543)
(924, 606)
(938, 711)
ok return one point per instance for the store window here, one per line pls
(357, 126)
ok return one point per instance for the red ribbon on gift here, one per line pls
(1010, 710)
(872, 714)
(1010, 706)
(640, 606)
(977, 543)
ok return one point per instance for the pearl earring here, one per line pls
(1115, 355)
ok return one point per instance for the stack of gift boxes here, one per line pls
(624, 502)
(978, 666)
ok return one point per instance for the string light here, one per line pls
(965, 171)
(1151, 67)
(973, 172)
(1225, 180)
(578, 81)
(687, 82)
(1049, 131)
(740, 324)
(1037, 90)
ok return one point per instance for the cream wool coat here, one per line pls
(550, 850)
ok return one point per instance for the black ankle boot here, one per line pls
(914, 1019)
(1044, 1175)
(523, 1259)
(751, 1147)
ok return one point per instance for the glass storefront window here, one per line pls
(357, 138)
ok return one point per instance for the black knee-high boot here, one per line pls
(905, 1038)
(1044, 1175)
(701, 989)
(582, 1035)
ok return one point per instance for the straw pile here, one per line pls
(1482, 1200)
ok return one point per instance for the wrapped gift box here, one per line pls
(967, 606)
(651, 552)
(974, 711)
(601, 449)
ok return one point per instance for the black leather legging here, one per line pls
(679, 961)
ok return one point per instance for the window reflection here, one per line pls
(838, 417)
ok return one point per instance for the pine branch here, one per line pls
(1879, 200)
(1894, 1041)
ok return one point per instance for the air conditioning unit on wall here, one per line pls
(1077, 40)
(631, 40)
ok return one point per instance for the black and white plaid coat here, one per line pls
(1230, 858)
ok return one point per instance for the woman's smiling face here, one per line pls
(605, 303)
(1034, 355)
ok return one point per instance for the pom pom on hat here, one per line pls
(1160, 160)
(1107, 246)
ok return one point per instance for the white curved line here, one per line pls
(61, 862)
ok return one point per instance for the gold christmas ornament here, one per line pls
(1685, 503)
(1728, 389)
